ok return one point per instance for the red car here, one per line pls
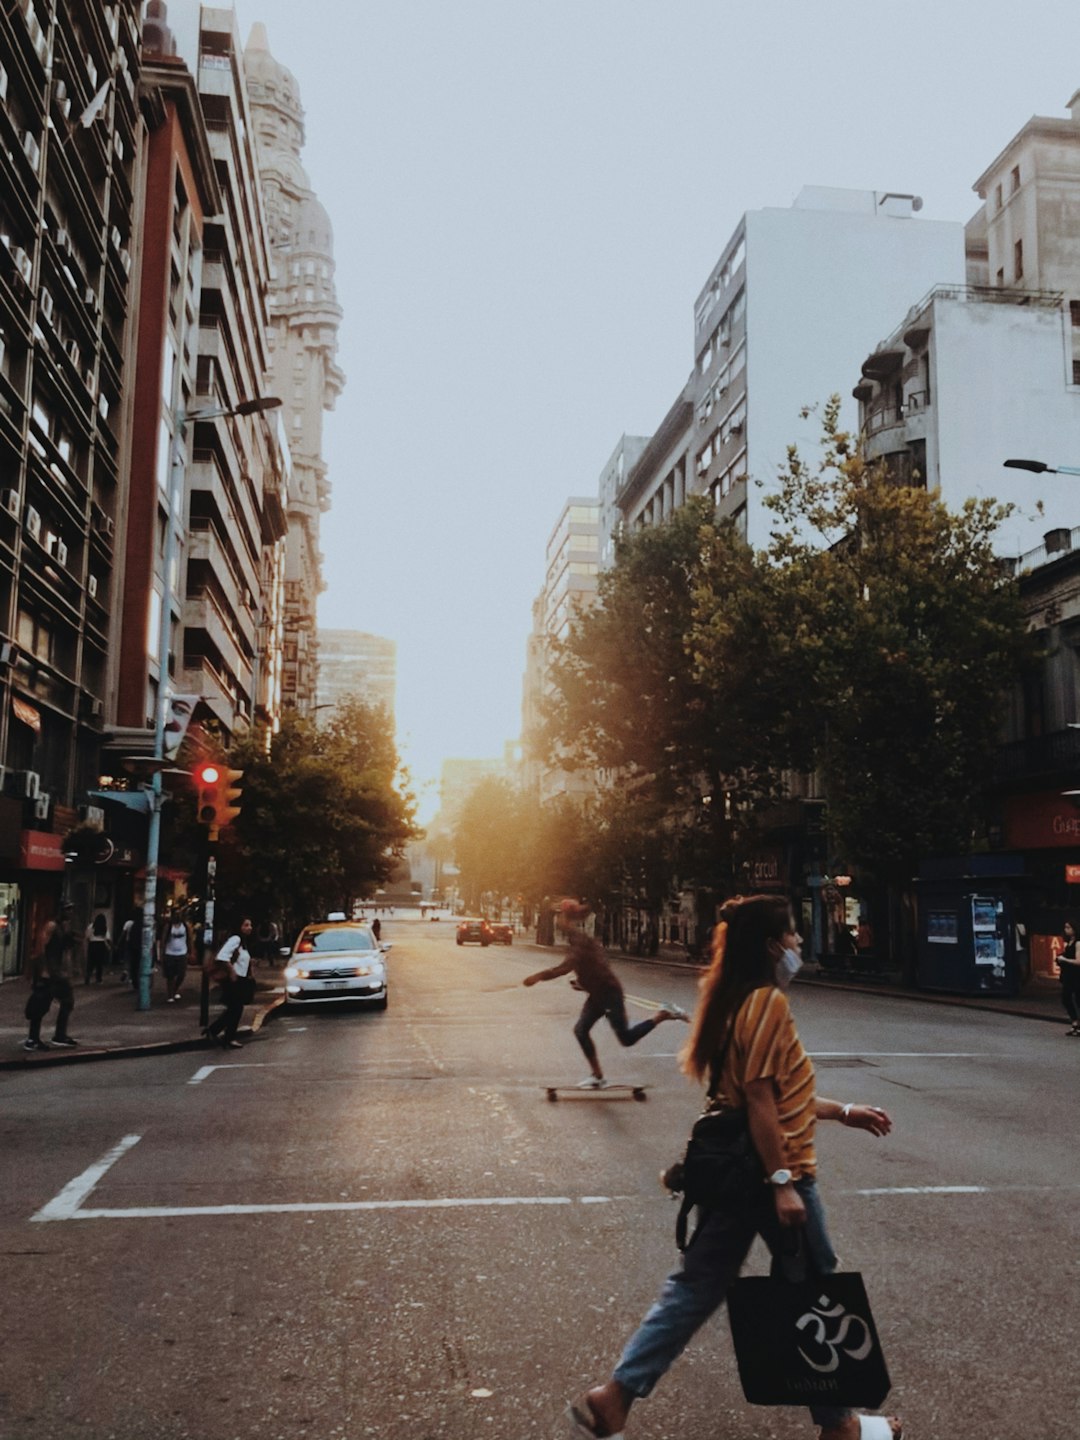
(501, 933)
(473, 932)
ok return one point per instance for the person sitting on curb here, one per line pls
(587, 963)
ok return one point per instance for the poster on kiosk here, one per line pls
(970, 941)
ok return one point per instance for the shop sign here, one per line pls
(1072, 874)
(41, 850)
(1041, 822)
(766, 870)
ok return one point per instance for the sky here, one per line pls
(527, 196)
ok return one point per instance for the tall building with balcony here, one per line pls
(178, 192)
(795, 296)
(237, 469)
(305, 317)
(69, 125)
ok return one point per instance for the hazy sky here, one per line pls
(527, 196)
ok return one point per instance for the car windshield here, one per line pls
(340, 938)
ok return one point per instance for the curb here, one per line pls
(54, 1058)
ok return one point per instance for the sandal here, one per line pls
(878, 1427)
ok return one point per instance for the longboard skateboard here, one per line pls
(616, 1092)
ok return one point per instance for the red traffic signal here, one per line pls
(218, 794)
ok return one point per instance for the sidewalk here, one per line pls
(107, 1025)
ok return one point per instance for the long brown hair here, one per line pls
(741, 962)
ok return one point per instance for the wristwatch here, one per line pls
(780, 1177)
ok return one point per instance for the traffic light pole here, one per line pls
(209, 907)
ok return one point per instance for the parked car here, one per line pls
(473, 932)
(333, 962)
(501, 932)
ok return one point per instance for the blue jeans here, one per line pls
(611, 1003)
(691, 1294)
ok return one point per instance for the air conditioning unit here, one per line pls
(63, 100)
(33, 522)
(51, 541)
(118, 145)
(90, 296)
(26, 783)
(63, 241)
(90, 707)
(115, 236)
(61, 553)
(91, 586)
(91, 72)
(3, 83)
(103, 524)
(74, 353)
(31, 149)
(125, 260)
(45, 304)
(103, 406)
(23, 263)
(9, 653)
(9, 499)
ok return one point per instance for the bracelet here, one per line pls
(845, 1111)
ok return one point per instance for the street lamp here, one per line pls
(1040, 467)
(176, 500)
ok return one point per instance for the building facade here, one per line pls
(69, 120)
(353, 663)
(795, 294)
(304, 316)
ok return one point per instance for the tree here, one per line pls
(325, 816)
(902, 636)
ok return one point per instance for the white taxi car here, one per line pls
(334, 962)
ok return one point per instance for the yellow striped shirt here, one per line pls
(765, 1043)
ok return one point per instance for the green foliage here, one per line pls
(325, 816)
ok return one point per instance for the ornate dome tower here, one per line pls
(305, 316)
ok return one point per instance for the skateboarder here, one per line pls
(587, 964)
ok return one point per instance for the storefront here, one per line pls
(1045, 826)
(11, 956)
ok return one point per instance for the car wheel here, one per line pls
(461, 942)
(484, 943)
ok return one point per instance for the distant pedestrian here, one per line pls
(129, 946)
(376, 929)
(98, 947)
(233, 964)
(1069, 967)
(269, 942)
(587, 963)
(51, 980)
(177, 953)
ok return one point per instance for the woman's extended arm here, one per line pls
(768, 1141)
(857, 1117)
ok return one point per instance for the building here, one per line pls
(304, 320)
(354, 663)
(69, 117)
(973, 376)
(237, 471)
(178, 192)
(794, 296)
(623, 458)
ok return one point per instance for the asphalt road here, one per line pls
(375, 1225)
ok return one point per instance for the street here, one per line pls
(375, 1224)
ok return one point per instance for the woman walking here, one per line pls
(1069, 966)
(177, 953)
(744, 1042)
(237, 984)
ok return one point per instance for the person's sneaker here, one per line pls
(65, 1042)
(592, 1083)
(29, 1044)
(675, 1012)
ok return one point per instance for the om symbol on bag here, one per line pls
(841, 1338)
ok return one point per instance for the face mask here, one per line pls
(787, 967)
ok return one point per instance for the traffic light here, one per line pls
(218, 795)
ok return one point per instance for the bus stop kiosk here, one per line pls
(972, 939)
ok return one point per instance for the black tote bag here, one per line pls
(807, 1342)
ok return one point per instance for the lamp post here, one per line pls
(176, 499)
(1039, 467)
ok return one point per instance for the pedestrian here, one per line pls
(98, 947)
(130, 946)
(177, 948)
(233, 965)
(376, 929)
(269, 942)
(50, 980)
(1069, 970)
(586, 962)
(745, 1044)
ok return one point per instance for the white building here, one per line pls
(795, 297)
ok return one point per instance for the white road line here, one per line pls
(904, 1055)
(65, 1206)
(206, 1070)
(310, 1207)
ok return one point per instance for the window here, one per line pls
(998, 199)
(1018, 260)
(1001, 277)
(1076, 372)
(1074, 312)
(1014, 179)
